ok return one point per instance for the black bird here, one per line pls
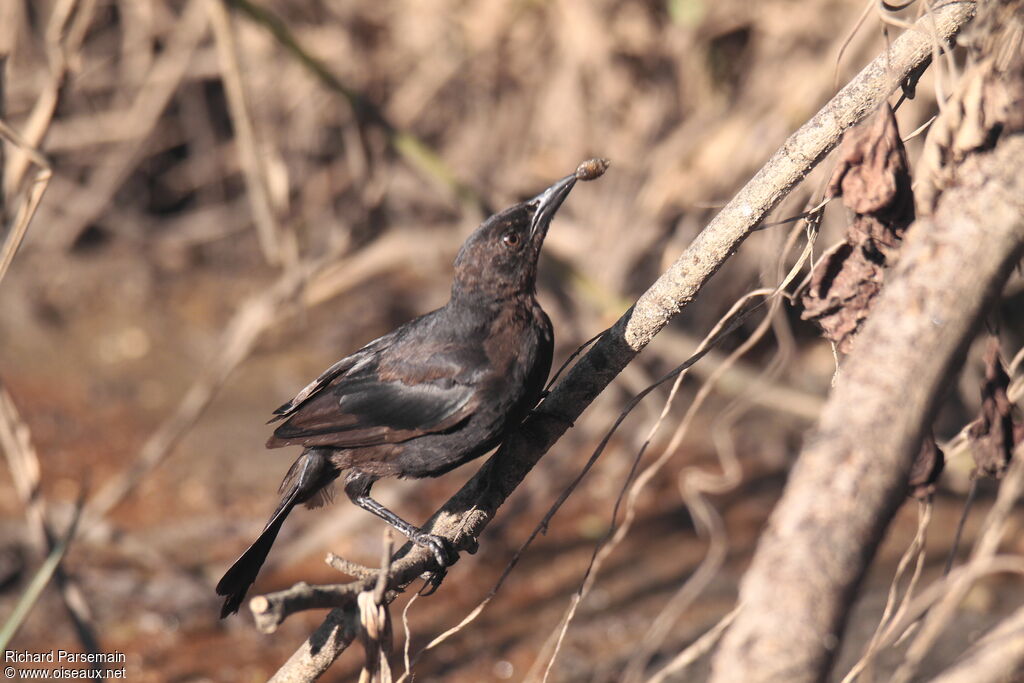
(437, 392)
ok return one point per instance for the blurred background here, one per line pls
(242, 194)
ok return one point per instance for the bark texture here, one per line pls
(852, 473)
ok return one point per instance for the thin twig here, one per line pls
(634, 487)
(939, 589)
(16, 441)
(162, 80)
(695, 482)
(696, 650)
(38, 122)
(413, 149)
(276, 250)
(890, 613)
(30, 201)
(1010, 489)
(351, 568)
(42, 577)
(965, 512)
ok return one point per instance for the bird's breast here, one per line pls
(514, 340)
(518, 349)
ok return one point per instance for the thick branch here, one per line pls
(469, 511)
(852, 474)
(322, 647)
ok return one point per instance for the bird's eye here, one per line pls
(511, 239)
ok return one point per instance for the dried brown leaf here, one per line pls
(987, 104)
(992, 436)
(843, 288)
(928, 465)
(873, 178)
(872, 175)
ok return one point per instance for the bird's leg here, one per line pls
(357, 487)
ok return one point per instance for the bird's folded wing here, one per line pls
(370, 405)
(350, 364)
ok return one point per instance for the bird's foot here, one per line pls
(441, 548)
(434, 577)
(444, 554)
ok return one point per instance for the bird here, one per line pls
(435, 393)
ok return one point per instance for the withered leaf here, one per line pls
(843, 288)
(992, 436)
(928, 465)
(873, 178)
(986, 105)
(872, 175)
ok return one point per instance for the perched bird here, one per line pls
(440, 390)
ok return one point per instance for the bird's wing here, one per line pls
(358, 360)
(379, 399)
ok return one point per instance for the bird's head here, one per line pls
(500, 258)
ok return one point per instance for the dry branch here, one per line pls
(414, 150)
(996, 657)
(160, 85)
(16, 442)
(468, 512)
(28, 203)
(992, 534)
(38, 123)
(252, 162)
(852, 475)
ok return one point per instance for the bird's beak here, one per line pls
(547, 203)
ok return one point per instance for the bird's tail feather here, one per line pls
(307, 477)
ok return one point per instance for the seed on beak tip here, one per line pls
(592, 169)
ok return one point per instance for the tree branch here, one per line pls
(469, 511)
(852, 474)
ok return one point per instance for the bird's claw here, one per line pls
(441, 548)
(444, 555)
(433, 579)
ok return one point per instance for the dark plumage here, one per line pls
(437, 392)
